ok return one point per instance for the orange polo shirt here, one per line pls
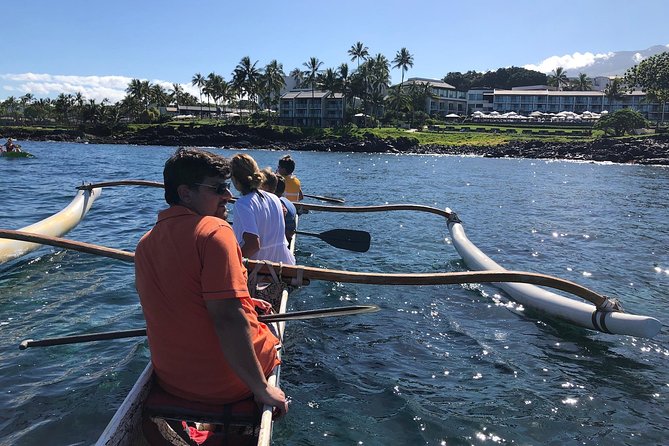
(183, 261)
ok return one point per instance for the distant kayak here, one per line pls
(17, 155)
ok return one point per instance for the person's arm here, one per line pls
(251, 244)
(234, 336)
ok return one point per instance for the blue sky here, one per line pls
(96, 47)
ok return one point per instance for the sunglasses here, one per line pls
(220, 188)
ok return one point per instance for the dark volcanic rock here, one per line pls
(649, 150)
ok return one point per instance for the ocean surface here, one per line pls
(438, 365)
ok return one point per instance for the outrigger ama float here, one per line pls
(56, 225)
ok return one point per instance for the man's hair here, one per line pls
(280, 185)
(287, 163)
(189, 166)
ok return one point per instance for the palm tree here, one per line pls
(328, 80)
(378, 80)
(614, 90)
(198, 81)
(177, 92)
(558, 78)
(63, 105)
(358, 51)
(215, 87)
(140, 92)
(312, 65)
(245, 77)
(399, 101)
(344, 82)
(158, 95)
(403, 60)
(583, 82)
(274, 81)
(298, 77)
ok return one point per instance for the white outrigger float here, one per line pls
(56, 225)
(606, 316)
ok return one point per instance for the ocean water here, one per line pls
(438, 365)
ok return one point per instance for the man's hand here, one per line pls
(264, 306)
(273, 396)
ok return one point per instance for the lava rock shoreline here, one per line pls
(650, 150)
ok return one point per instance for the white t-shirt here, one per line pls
(263, 217)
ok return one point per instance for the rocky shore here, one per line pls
(652, 150)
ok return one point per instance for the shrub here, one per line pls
(620, 122)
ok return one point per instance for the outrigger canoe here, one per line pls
(21, 154)
(125, 427)
(56, 225)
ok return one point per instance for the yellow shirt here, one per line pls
(293, 188)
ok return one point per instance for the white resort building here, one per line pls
(525, 102)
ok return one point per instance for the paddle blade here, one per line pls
(327, 199)
(350, 239)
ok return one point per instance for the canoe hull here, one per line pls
(13, 155)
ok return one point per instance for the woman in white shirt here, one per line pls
(258, 215)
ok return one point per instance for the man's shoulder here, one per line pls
(210, 224)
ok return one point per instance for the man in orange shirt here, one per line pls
(205, 339)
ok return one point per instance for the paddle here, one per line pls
(329, 199)
(311, 273)
(349, 239)
(269, 318)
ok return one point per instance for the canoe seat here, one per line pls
(235, 423)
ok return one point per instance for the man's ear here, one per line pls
(185, 193)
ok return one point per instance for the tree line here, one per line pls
(365, 88)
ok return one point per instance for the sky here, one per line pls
(96, 47)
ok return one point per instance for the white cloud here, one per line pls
(568, 61)
(637, 57)
(92, 87)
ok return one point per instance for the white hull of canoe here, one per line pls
(56, 226)
(576, 312)
(124, 429)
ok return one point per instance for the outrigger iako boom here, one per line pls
(601, 310)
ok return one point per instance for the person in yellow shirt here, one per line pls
(293, 190)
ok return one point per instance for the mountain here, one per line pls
(616, 63)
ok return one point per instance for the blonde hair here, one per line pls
(269, 180)
(246, 172)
